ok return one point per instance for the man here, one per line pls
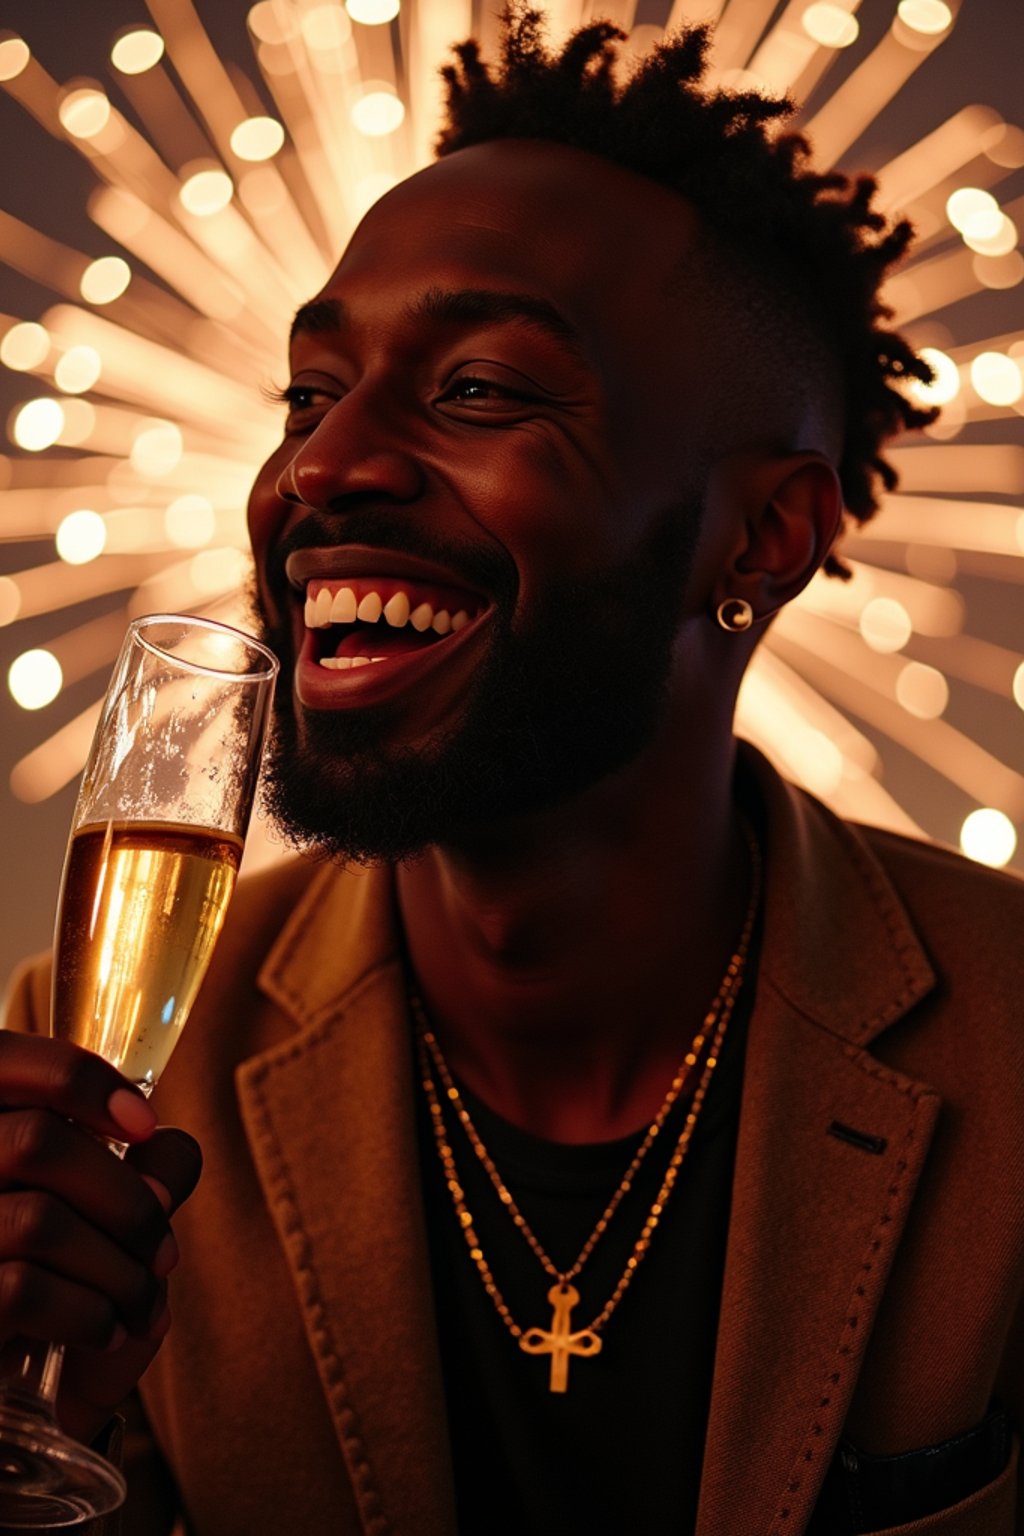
(627, 1145)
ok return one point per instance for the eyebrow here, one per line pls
(463, 306)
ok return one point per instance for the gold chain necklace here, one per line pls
(560, 1341)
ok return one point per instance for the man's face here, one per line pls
(476, 544)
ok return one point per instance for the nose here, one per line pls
(351, 456)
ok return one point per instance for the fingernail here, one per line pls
(167, 1255)
(117, 1338)
(161, 1326)
(131, 1112)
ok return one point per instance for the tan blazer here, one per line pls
(877, 1294)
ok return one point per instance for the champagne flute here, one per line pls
(155, 845)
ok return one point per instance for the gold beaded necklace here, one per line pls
(561, 1341)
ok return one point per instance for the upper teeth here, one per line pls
(324, 610)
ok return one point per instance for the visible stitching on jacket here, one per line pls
(854, 1051)
(327, 1014)
(363, 1478)
(847, 1336)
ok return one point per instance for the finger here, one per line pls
(72, 1082)
(42, 1151)
(36, 1304)
(37, 1228)
(171, 1162)
(94, 1383)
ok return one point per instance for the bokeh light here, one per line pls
(928, 16)
(989, 837)
(85, 113)
(105, 280)
(967, 203)
(270, 24)
(25, 346)
(830, 25)
(81, 537)
(372, 13)
(206, 192)
(378, 112)
(156, 449)
(996, 378)
(38, 424)
(946, 384)
(35, 679)
(325, 27)
(136, 51)
(885, 624)
(14, 57)
(922, 690)
(78, 370)
(257, 138)
(190, 521)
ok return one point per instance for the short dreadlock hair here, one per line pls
(821, 246)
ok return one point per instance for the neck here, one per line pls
(565, 962)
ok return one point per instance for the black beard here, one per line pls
(554, 709)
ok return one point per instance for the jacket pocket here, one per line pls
(992, 1511)
(864, 1495)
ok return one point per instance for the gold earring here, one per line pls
(735, 615)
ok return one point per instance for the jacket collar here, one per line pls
(815, 1220)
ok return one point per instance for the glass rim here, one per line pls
(197, 621)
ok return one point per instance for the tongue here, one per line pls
(380, 640)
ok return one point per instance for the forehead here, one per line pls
(603, 244)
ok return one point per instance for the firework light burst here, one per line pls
(224, 192)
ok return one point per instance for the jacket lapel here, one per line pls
(816, 1214)
(344, 1193)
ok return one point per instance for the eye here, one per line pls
(307, 404)
(486, 394)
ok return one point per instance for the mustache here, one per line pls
(483, 566)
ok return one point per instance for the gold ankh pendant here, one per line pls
(560, 1342)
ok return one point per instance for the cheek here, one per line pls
(547, 505)
(266, 512)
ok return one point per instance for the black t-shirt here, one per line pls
(621, 1450)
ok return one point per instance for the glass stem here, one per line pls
(31, 1373)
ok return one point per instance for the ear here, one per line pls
(792, 513)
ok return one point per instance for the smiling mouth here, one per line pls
(356, 622)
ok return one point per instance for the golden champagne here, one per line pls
(142, 904)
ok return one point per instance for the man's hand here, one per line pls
(85, 1241)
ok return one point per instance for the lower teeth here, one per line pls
(345, 663)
